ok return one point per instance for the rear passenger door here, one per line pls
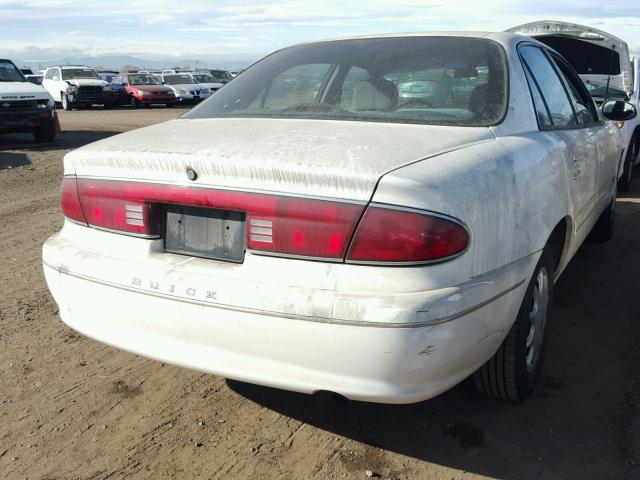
(604, 132)
(574, 137)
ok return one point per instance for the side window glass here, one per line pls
(542, 113)
(49, 75)
(551, 88)
(581, 99)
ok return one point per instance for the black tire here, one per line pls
(46, 132)
(604, 228)
(513, 372)
(624, 182)
(66, 105)
(133, 101)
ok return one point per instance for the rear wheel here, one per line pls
(513, 372)
(46, 132)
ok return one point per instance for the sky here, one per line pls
(172, 29)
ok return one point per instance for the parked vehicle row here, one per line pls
(28, 99)
(380, 217)
(74, 86)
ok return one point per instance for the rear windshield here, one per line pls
(9, 72)
(431, 80)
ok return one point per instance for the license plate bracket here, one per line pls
(205, 232)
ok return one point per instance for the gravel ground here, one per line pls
(72, 408)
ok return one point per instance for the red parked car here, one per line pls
(145, 89)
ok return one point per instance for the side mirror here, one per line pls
(618, 110)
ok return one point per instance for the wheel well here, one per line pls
(557, 242)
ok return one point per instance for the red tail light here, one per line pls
(276, 224)
(397, 236)
(69, 201)
(118, 206)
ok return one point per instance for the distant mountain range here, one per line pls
(116, 62)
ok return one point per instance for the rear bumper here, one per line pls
(369, 346)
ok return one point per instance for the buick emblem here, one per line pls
(191, 174)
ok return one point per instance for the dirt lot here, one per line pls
(71, 408)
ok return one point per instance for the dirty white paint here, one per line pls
(305, 157)
(391, 334)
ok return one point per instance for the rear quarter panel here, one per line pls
(511, 193)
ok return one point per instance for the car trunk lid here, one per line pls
(318, 158)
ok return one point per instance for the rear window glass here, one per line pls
(432, 80)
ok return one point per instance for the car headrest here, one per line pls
(375, 95)
(478, 99)
(485, 102)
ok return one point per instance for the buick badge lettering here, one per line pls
(170, 288)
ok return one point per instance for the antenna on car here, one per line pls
(606, 90)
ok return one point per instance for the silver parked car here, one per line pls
(308, 228)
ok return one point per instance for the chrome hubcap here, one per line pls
(537, 318)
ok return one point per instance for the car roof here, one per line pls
(500, 37)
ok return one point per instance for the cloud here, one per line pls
(201, 27)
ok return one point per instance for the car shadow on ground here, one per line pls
(68, 139)
(581, 422)
(12, 160)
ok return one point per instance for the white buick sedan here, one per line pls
(313, 228)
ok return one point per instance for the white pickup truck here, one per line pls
(25, 107)
(603, 63)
